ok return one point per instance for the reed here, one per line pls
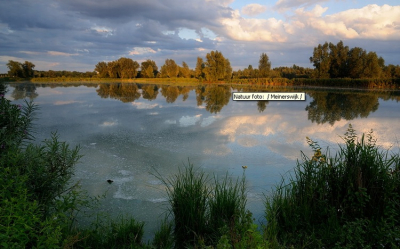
(355, 193)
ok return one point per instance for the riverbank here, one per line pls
(335, 83)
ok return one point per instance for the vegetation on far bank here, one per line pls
(334, 66)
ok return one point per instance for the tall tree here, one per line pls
(338, 58)
(15, 69)
(372, 68)
(145, 68)
(356, 62)
(228, 70)
(184, 71)
(101, 69)
(170, 69)
(321, 60)
(264, 65)
(27, 68)
(199, 71)
(128, 68)
(215, 67)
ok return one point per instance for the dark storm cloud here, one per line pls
(88, 31)
(170, 12)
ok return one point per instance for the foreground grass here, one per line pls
(350, 200)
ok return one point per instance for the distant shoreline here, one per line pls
(347, 83)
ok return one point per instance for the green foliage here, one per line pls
(264, 65)
(341, 201)
(207, 214)
(37, 206)
(163, 237)
(169, 69)
(149, 69)
(216, 67)
(338, 61)
(17, 69)
(126, 233)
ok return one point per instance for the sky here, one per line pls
(75, 35)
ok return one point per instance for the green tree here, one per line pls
(146, 71)
(228, 70)
(199, 71)
(170, 69)
(338, 60)
(128, 68)
(184, 71)
(101, 69)
(215, 67)
(264, 65)
(321, 60)
(372, 69)
(27, 68)
(113, 69)
(15, 69)
(356, 62)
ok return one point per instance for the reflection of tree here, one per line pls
(200, 95)
(262, 104)
(216, 97)
(185, 92)
(120, 91)
(22, 91)
(149, 92)
(332, 107)
(170, 93)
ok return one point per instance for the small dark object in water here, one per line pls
(110, 181)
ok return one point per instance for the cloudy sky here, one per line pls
(77, 34)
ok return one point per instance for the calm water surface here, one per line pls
(127, 132)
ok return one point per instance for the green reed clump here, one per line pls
(204, 212)
(351, 199)
(124, 233)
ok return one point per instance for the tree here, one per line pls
(184, 71)
(228, 70)
(170, 69)
(27, 68)
(355, 62)
(101, 69)
(215, 67)
(146, 71)
(199, 71)
(113, 69)
(15, 69)
(338, 60)
(264, 65)
(321, 60)
(128, 67)
(372, 68)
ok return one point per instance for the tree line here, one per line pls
(329, 61)
(339, 61)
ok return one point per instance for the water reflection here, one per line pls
(124, 92)
(24, 90)
(326, 106)
(329, 107)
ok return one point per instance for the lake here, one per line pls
(128, 132)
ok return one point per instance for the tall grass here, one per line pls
(205, 211)
(351, 199)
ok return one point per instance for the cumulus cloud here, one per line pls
(253, 9)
